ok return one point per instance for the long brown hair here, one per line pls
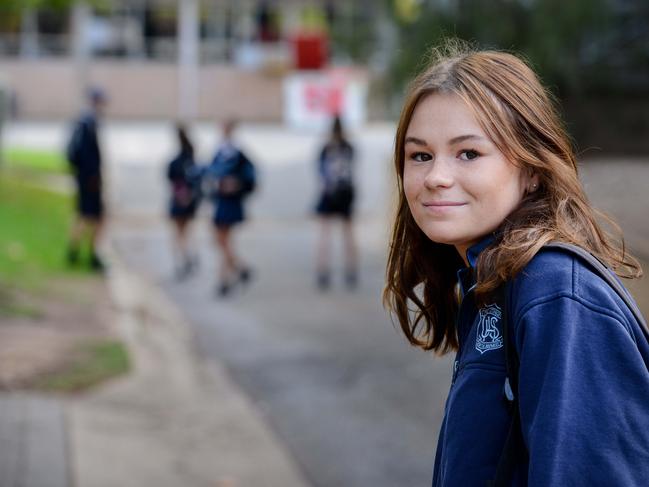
(521, 119)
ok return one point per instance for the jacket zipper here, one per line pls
(456, 363)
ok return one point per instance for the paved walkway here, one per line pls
(33, 441)
(175, 421)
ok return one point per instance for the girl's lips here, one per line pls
(442, 204)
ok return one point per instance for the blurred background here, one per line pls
(135, 377)
(168, 58)
(164, 59)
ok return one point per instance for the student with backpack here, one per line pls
(84, 155)
(335, 202)
(231, 179)
(497, 255)
(184, 178)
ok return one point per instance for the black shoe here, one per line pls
(351, 279)
(223, 289)
(72, 255)
(323, 281)
(96, 264)
(245, 275)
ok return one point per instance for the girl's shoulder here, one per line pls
(555, 274)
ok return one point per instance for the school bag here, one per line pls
(336, 168)
(236, 165)
(248, 174)
(514, 449)
(185, 180)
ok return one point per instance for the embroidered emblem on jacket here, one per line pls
(488, 335)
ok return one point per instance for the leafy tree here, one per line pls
(20, 5)
(570, 43)
(559, 33)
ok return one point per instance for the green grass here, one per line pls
(91, 364)
(34, 225)
(43, 161)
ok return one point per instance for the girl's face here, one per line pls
(458, 185)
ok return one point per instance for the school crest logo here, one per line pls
(488, 335)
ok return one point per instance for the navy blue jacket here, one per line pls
(335, 165)
(230, 161)
(583, 382)
(83, 148)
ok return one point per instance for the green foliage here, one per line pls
(416, 38)
(562, 40)
(18, 5)
(355, 40)
(91, 364)
(34, 159)
(313, 18)
(559, 32)
(501, 23)
(7, 6)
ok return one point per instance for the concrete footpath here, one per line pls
(174, 421)
(33, 441)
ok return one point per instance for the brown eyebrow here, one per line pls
(454, 140)
(462, 138)
(414, 140)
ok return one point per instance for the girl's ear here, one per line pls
(532, 182)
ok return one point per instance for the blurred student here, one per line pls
(84, 155)
(184, 178)
(232, 178)
(335, 170)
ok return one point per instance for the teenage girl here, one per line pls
(486, 178)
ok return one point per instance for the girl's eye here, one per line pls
(468, 155)
(420, 156)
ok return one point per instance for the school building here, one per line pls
(192, 59)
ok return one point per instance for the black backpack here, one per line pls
(514, 450)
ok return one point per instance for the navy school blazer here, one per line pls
(583, 382)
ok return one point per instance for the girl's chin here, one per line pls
(442, 239)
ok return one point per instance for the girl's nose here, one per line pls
(440, 174)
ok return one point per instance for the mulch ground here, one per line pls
(40, 333)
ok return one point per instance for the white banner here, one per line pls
(312, 99)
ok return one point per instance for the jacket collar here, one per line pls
(473, 252)
(466, 275)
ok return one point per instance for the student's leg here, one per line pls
(91, 209)
(323, 252)
(240, 271)
(77, 231)
(96, 226)
(228, 260)
(225, 239)
(183, 238)
(181, 251)
(351, 253)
